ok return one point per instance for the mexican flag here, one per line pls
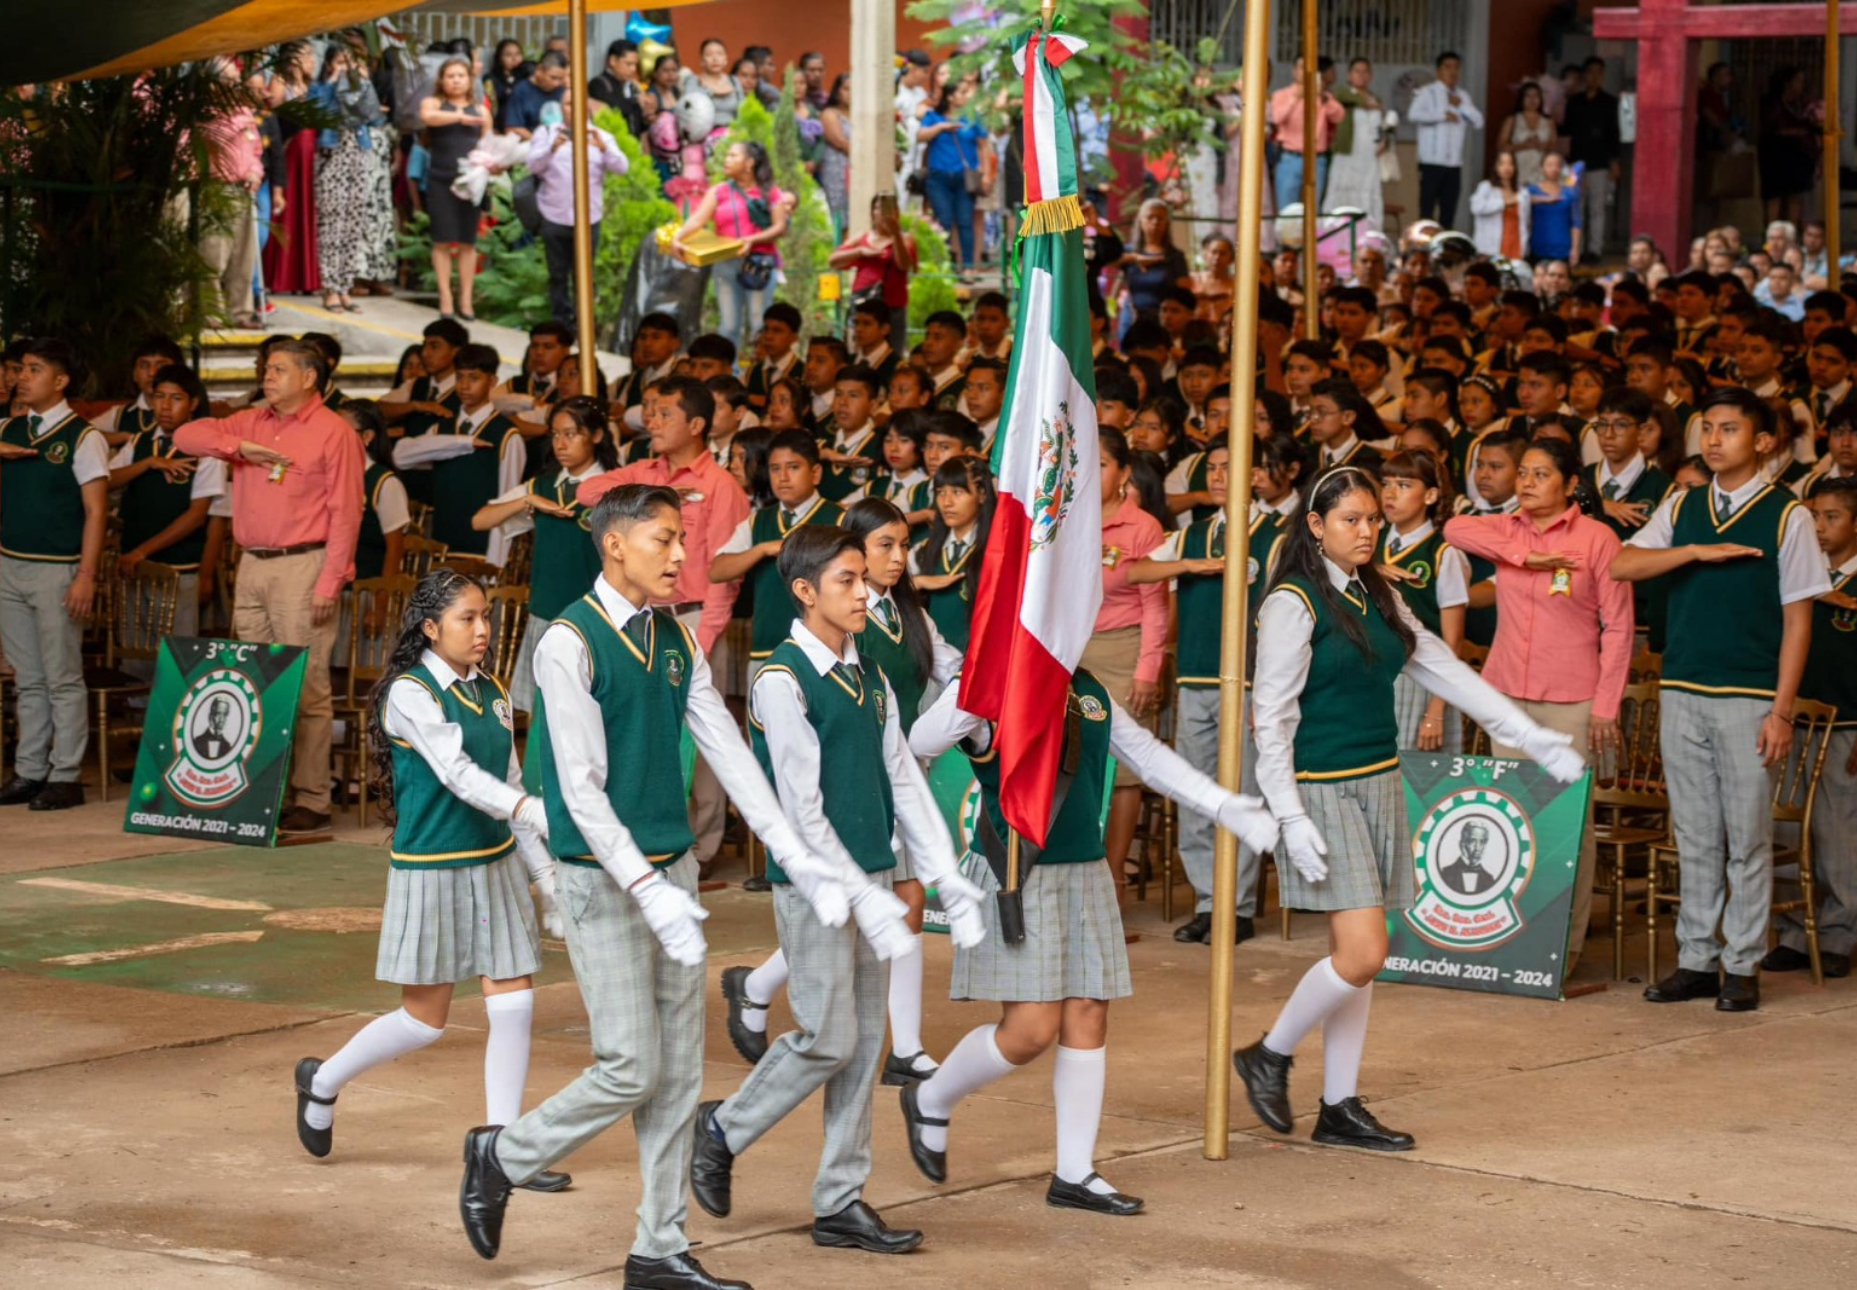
(1042, 580)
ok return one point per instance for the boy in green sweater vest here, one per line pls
(54, 502)
(826, 730)
(1742, 567)
(479, 454)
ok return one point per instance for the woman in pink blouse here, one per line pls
(1563, 627)
(1125, 653)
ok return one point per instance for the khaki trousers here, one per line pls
(1569, 719)
(273, 604)
(231, 253)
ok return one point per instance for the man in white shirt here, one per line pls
(1444, 114)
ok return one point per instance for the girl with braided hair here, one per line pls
(457, 894)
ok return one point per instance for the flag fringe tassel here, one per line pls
(1058, 215)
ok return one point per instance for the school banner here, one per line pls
(215, 755)
(1496, 849)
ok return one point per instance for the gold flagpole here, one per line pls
(579, 119)
(1255, 95)
(1311, 159)
(1833, 133)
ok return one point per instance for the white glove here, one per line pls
(819, 881)
(1302, 843)
(880, 921)
(533, 816)
(674, 918)
(1556, 754)
(967, 926)
(552, 922)
(1248, 820)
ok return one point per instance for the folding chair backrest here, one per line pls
(143, 609)
(1634, 775)
(373, 626)
(509, 621)
(418, 555)
(1797, 782)
(518, 561)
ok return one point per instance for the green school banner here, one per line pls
(1496, 849)
(215, 754)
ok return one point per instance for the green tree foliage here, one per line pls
(635, 209)
(932, 287)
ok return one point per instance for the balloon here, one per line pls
(639, 31)
(649, 52)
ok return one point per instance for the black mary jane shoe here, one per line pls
(483, 1196)
(547, 1181)
(712, 1164)
(898, 1071)
(1350, 1124)
(859, 1227)
(933, 1164)
(751, 1044)
(674, 1272)
(318, 1142)
(1067, 1195)
(1683, 985)
(1266, 1077)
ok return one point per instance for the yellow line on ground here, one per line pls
(146, 893)
(159, 947)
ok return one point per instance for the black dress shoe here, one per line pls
(547, 1180)
(19, 791)
(676, 1272)
(898, 1071)
(752, 1045)
(300, 819)
(1739, 993)
(484, 1194)
(1683, 985)
(933, 1164)
(315, 1141)
(1349, 1124)
(1066, 1195)
(1835, 965)
(712, 1164)
(1246, 929)
(759, 882)
(59, 795)
(859, 1227)
(1784, 958)
(1266, 1077)
(1194, 930)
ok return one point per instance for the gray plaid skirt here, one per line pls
(1073, 946)
(1410, 699)
(446, 925)
(1370, 862)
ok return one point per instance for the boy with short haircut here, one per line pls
(478, 456)
(1308, 363)
(1540, 390)
(1629, 488)
(949, 435)
(123, 422)
(825, 728)
(1831, 677)
(1368, 365)
(54, 505)
(428, 402)
(986, 397)
(871, 322)
(908, 388)
(1496, 463)
(709, 355)
(1117, 398)
(550, 343)
(1514, 311)
(1191, 495)
(1694, 304)
(852, 454)
(1829, 361)
(331, 350)
(942, 339)
(1741, 566)
(654, 357)
(826, 356)
(1759, 360)
(777, 353)
(1201, 368)
(1840, 459)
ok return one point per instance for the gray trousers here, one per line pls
(839, 991)
(1834, 855)
(709, 807)
(645, 1015)
(1596, 208)
(45, 645)
(1196, 738)
(1721, 810)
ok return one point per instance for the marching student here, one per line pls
(382, 540)
(1194, 558)
(778, 352)
(1432, 578)
(1729, 681)
(1332, 640)
(826, 730)
(946, 567)
(121, 423)
(851, 452)
(166, 493)
(1831, 677)
(54, 507)
(900, 638)
(1055, 984)
(619, 683)
(467, 842)
(480, 455)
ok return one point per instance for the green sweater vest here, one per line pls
(642, 697)
(1201, 598)
(773, 607)
(150, 503)
(371, 542)
(421, 485)
(1196, 483)
(461, 486)
(1724, 620)
(1421, 561)
(1831, 667)
(434, 829)
(876, 644)
(1077, 832)
(950, 607)
(1348, 729)
(41, 502)
(839, 482)
(847, 709)
(565, 560)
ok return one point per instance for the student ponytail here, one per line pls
(436, 593)
(1302, 555)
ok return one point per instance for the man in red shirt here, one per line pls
(296, 511)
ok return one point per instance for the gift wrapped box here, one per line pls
(704, 248)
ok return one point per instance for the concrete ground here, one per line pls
(145, 1109)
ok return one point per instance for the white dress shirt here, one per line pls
(419, 452)
(111, 418)
(1441, 142)
(947, 664)
(1451, 579)
(90, 459)
(1632, 472)
(1284, 631)
(743, 536)
(414, 716)
(793, 747)
(1802, 563)
(563, 674)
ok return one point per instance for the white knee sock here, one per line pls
(1319, 993)
(506, 1054)
(975, 1062)
(381, 1040)
(1344, 1038)
(762, 985)
(906, 1007)
(1077, 1096)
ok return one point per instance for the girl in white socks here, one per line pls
(1333, 639)
(901, 638)
(457, 895)
(1055, 984)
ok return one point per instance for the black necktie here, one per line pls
(1610, 489)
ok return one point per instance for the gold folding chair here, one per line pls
(377, 607)
(141, 612)
(509, 620)
(1631, 809)
(1646, 666)
(418, 555)
(518, 561)
(1476, 738)
(474, 567)
(1793, 801)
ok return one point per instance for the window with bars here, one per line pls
(1390, 32)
